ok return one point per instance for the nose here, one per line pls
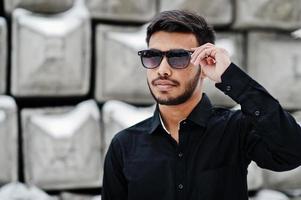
(164, 69)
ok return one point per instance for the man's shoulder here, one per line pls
(136, 130)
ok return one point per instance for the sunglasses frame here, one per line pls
(164, 54)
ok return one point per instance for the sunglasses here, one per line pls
(176, 58)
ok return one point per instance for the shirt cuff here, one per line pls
(234, 82)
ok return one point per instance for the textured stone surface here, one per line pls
(118, 115)
(120, 10)
(217, 12)
(284, 14)
(72, 196)
(8, 140)
(40, 6)
(19, 191)
(297, 116)
(3, 51)
(51, 55)
(274, 60)
(62, 147)
(267, 194)
(282, 180)
(233, 43)
(255, 177)
(120, 74)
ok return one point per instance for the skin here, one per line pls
(213, 61)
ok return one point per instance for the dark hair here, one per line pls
(181, 21)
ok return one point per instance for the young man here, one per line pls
(190, 150)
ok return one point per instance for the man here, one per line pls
(190, 150)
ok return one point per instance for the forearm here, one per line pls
(274, 141)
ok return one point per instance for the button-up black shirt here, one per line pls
(215, 148)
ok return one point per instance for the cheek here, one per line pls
(150, 74)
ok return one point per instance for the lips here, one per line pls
(164, 85)
(164, 82)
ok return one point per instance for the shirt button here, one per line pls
(180, 186)
(184, 122)
(180, 155)
(257, 113)
(228, 88)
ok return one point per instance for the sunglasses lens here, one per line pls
(178, 58)
(151, 59)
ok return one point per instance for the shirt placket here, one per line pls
(180, 166)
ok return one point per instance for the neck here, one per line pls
(173, 115)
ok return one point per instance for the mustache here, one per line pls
(165, 79)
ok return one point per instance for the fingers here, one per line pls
(205, 52)
(199, 49)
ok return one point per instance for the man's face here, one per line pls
(173, 86)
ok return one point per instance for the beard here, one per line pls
(182, 98)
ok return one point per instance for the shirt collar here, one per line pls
(199, 115)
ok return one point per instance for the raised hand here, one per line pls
(213, 60)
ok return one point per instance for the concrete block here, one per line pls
(297, 116)
(8, 140)
(282, 14)
(297, 33)
(266, 194)
(233, 43)
(119, 72)
(62, 146)
(72, 196)
(51, 55)
(3, 52)
(119, 10)
(19, 191)
(39, 6)
(282, 180)
(255, 177)
(118, 115)
(217, 12)
(274, 60)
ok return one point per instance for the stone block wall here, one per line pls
(70, 78)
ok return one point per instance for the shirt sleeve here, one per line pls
(270, 136)
(114, 186)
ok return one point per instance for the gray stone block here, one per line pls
(274, 60)
(40, 6)
(51, 55)
(3, 51)
(118, 115)
(268, 194)
(297, 116)
(19, 191)
(255, 177)
(8, 140)
(62, 146)
(283, 14)
(120, 10)
(282, 180)
(297, 34)
(72, 196)
(120, 74)
(233, 43)
(217, 12)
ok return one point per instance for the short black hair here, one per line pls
(181, 21)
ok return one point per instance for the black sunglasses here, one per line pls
(176, 58)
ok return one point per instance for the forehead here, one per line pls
(165, 40)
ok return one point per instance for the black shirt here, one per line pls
(215, 148)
